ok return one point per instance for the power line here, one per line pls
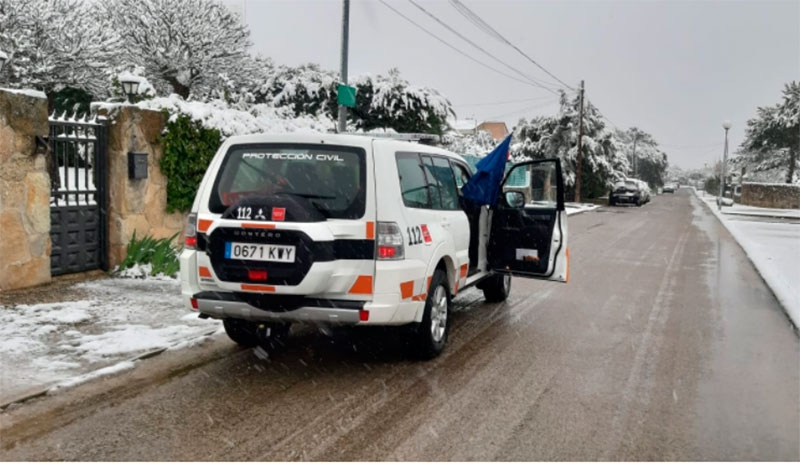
(449, 28)
(498, 103)
(692, 146)
(470, 15)
(456, 49)
(531, 108)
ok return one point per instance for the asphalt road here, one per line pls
(666, 344)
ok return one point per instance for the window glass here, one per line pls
(461, 173)
(447, 183)
(536, 181)
(330, 178)
(434, 184)
(413, 184)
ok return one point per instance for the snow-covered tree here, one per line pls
(647, 162)
(186, 46)
(478, 144)
(55, 44)
(306, 89)
(557, 137)
(772, 139)
(391, 102)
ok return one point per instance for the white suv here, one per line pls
(348, 229)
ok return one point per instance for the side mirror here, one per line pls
(515, 199)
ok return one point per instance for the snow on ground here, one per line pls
(772, 245)
(66, 343)
(577, 208)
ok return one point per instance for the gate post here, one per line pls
(24, 190)
(136, 205)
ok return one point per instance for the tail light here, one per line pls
(190, 232)
(390, 241)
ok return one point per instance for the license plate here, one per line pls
(260, 252)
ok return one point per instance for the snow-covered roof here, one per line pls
(465, 124)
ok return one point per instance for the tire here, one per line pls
(430, 336)
(638, 202)
(251, 334)
(497, 288)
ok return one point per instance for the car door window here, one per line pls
(461, 173)
(447, 183)
(434, 186)
(413, 184)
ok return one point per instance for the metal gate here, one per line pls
(78, 209)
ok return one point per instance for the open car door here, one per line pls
(528, 234)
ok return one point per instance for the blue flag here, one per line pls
(484, 186)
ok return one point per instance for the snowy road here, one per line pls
(666, 345)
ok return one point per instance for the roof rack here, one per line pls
(418, 137)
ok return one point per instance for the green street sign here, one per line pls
(346, 96)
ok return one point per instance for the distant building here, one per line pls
(465, 126)
(498, 130)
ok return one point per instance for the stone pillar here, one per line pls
(136, 205)
(24, 190)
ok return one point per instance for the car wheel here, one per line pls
(638, 202)
(241, 332)
(250, 334)
(496, 288)
(431, 333)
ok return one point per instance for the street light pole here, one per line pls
(345, 40)
(725, 125)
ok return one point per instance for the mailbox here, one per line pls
(137, 166)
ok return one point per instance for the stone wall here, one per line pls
(777, 195)
(24, 191)
(136, 205)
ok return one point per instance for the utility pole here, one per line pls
(345, 41)
(635, 138)
(580, 153)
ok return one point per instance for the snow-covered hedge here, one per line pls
(218, 115)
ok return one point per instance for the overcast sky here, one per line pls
(674, 69)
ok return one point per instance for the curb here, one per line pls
(43, 391)
(734, 235)
(581, 211)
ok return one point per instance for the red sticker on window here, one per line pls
(278, 214)
(426, 235)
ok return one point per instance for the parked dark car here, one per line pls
(629, 191)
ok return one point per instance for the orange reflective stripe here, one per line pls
(268, 226)
(429, 283)
(370, 230)
(567, 266)
(265, 289)
(419, 297)
(407, 289)
(203, 225)
(463, 270)
(204, 272)
(363, 285)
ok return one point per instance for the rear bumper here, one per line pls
(624, 198)
(384, 309)
(244, 311)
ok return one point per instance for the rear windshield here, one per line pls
(331, 178)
